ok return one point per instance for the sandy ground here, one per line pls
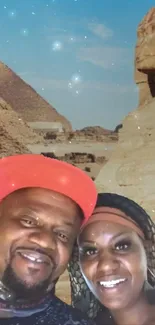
(99, 149)
(63, 288)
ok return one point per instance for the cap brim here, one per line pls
(23, 171)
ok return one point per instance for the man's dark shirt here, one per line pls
(57, 313)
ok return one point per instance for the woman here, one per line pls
(117, 258)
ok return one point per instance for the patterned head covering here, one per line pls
(82, 298)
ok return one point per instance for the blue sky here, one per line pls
(78, 54)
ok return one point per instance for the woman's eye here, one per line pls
(28, 222)
(123, 246)
(88, 251)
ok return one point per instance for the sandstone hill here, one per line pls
(131, 168)
(15, 134)
(87, 134)
(97, 130)
(26, 101)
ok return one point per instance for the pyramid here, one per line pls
(26, 101)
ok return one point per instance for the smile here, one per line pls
(32, 258)
(35, 257)
(112, 283)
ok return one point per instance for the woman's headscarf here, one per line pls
(81, 296)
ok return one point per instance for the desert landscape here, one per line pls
(28, 124)
(120, 160)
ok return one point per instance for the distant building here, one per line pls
(46, 126)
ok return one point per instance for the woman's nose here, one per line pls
(108, 263)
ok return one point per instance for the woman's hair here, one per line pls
(82, 298)
(129, 207)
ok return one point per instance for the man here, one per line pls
(43, 203)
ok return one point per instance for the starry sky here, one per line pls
(78, 54)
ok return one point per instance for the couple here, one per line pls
(44, 205)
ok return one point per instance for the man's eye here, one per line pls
(123, 246)
(28, 222)
(63, 237)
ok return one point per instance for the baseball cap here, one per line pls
(33, 170)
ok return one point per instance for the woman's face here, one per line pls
(113, 260)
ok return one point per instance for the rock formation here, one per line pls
(87, 134)
(15, 134)
(26, 101)
(131, 168)
(145, 58)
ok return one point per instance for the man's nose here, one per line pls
(43, 238)
(108, 263)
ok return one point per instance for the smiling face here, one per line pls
(38, 228)
(113, 260)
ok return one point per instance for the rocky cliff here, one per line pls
(131, 168)
(15, 134)
(145, 58)
(88, 134)
(26, 101)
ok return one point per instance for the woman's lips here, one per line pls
(112, 283)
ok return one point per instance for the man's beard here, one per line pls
(20, 289)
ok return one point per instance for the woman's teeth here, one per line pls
(112, 283)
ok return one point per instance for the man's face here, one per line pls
(38, 228)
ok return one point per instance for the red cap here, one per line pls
(22, 171)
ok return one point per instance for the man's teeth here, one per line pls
(32, 258)
(112, 283)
